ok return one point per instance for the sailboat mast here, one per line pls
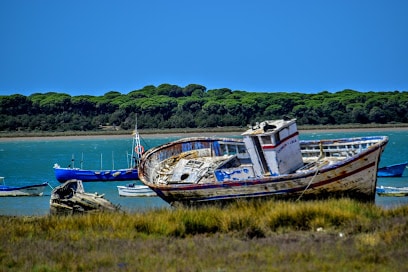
(136, 147)
(113, 161)
(82, 161)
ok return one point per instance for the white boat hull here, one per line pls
(135, 191)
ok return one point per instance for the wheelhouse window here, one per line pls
(224, 149)
(266, 139)
(232, 148)
(241, 149)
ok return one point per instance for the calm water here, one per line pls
(31, 161)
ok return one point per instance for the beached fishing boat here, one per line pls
(392, 191)
(135, 190)
(26, 190)
(395, 170)
(62, 174)
(70, 198)
(268, 162)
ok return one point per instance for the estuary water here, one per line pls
(29, 161)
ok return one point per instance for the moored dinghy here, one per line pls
(135, 190)
(270, 161)
(25, 190)
(70, 197)
(392, 191)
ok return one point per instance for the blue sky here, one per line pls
(96, 46)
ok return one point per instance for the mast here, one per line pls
(113, 161)
(136, 148)
(82, 161)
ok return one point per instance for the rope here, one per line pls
(321, 156)
(50, 185)
(310, 182)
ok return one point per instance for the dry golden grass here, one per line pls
(333, 235)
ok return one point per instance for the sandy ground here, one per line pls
(187, 134)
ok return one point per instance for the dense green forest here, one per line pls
(193, 106)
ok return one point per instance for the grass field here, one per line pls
(332, 235)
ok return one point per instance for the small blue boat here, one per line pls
(63, 174)
(395, 170)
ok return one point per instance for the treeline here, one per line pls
(193, 106)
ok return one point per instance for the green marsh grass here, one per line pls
(332, 235)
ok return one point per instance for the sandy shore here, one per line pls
(186, 134)
(122, 136)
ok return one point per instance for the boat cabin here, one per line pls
(274, 147)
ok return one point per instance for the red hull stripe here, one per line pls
(257, 182)
(266, 193)
(271, 146)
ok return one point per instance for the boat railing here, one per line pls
(337, 153)
(335, 149)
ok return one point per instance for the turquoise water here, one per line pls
(28, 161)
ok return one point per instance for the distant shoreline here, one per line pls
(181, 134)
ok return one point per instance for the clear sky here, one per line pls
(308, 46)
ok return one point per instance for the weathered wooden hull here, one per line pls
(70, 198)
(354, 177)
